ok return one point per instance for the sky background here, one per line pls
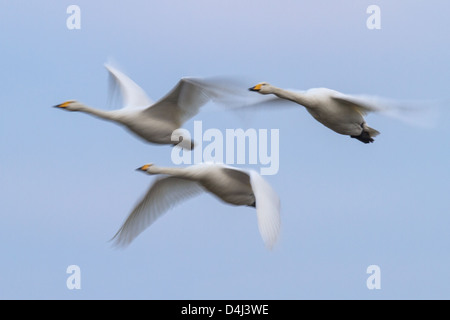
(67, 180)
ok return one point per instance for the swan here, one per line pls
(231, 185)
(154, 122)
(340, 112)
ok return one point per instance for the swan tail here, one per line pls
(371, 131)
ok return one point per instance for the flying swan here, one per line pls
(229, 184)
(154, 122)
(340, 112)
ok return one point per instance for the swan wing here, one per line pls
(267, 209)
(362, 103)
(187, 97)
(421, 113)
(164, 194)
(237, 174)
(132, 95)
(180, 104)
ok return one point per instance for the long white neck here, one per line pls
(184, 173)
(103, 114)
(297, 97)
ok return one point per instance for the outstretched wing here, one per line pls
(422, 113)
(182, 102)
(163, 194)
(132, 95)
(267, 209)
(191, 93)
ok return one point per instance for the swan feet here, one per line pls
(364, 137)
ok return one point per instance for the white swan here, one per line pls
(340, 112)
(231, 185)
(154, 122)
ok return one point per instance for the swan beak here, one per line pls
(255, 88)
(63, 105)
(143, 168)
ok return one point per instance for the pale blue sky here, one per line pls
(68, 180)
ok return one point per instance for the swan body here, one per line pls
(341, 113)
(154, 122)
(230, 185)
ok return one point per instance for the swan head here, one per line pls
(70, 105)
(263, 88)
(145, 168)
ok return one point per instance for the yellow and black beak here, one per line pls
(255, 88)
(63, 105)
(143, 168)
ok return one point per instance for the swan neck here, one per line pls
(108, 115)
(175, 172)
(297, 97)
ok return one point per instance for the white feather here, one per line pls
(162, 195)
(132, 94)
(267, 209)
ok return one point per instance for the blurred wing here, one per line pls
(267, 101)
(132, 94)
(267, 209)
(237, 174)
(162, 195)
(245, 104)
(421, 113)
(180, 104)
(190, 94)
